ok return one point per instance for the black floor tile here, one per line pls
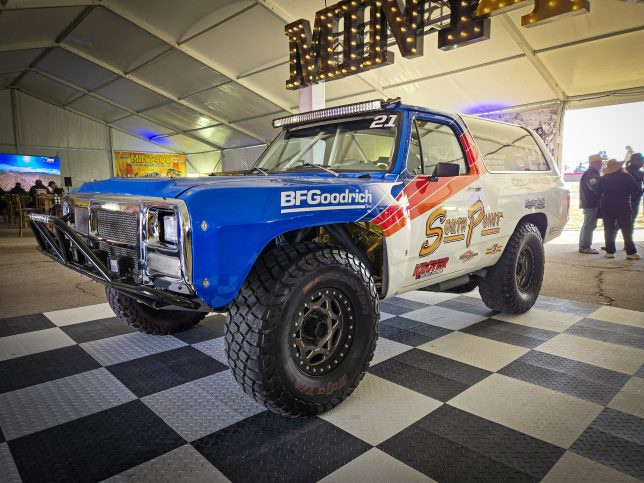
(268, 447)
(157, 372)
(209, 328)
(561, 382)
(446, 461)
(514, 334)
(97, 329)
(429, 374)
(44, 366)
(2, 438)
(609, 332)
(394, 309)
(575, 378)
(610, 450)
(25, 323)
(640, 372)
(94, 447)
(401, 302)
(622, 425)
(404, 336)
(415, 326)
(470, 305)
(574, 307)
(512, 448)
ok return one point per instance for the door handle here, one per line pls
(474, 188)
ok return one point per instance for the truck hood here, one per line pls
(182, 187)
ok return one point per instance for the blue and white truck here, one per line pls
(347, 206)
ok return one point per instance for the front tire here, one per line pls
(302, 330)
(148, 319)
(513, 284)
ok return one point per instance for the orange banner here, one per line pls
(149, 165)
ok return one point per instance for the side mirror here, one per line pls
(446, 170)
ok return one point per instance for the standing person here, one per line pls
(615, 190)
(634, 168)
(589, 202)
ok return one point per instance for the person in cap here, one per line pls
(589, 202)
(634, 168)
(615, 190)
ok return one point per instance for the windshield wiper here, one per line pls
(311, 165)
(256, 169)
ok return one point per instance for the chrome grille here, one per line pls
(118, 226)
(81, 219)
(115, 251)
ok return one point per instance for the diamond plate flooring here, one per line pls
(455, 392)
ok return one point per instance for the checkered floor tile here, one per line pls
(455, 392)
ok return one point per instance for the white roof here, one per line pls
(197, 75)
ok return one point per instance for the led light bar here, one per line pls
(333, 112)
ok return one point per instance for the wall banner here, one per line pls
(149, 165)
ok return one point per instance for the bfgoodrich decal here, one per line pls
(496, 248)
(316, 200)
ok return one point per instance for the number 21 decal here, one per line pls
(384, 121)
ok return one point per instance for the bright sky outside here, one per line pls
(608, 128)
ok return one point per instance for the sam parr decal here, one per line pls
(431, 268)
(440, 229)
(316, 200)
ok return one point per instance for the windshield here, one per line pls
(364, 144)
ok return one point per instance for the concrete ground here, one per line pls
(31, 283)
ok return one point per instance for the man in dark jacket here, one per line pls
(588, 202)
(615, 190)
(17, 190)
(634, 168)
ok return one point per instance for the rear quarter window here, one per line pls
(505, 147)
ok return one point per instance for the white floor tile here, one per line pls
(32, 342)
(444, 317)
(80, 314)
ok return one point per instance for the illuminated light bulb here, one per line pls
(378, 49)
(353, 67)
(330, 74)
(329, 25)
(486, 10)
(410, 40)
(353, 56)
(296, 83)
(501, 4)
(463, 4)
(403, 29)
(305, 46)
(321, 76)
(329, 15)
(476, 29)
(329, 49)
(378, 60)
(450, 37)
(330, 37)
(393, 9)
(552, 4)
(463, 34)
(414, 25)
(303, 36)
(463, 18)
(354, 16)
(330, 62)
(353, 42)
(413, 50)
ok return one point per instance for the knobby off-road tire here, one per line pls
(295, 296)
(147, 319)
(513, 284)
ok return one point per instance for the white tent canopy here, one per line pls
(201, 75)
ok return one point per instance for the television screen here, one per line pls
(18, 168)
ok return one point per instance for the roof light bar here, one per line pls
(333, 112)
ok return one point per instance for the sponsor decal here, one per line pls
(330, 387)
(467, 256)
(496, 248)
(440, 229)
(537, 203)
(555, 229)
(430, 268)
(316, 200)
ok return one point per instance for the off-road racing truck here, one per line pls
(348, 205)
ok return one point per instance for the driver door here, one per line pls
(446, 204)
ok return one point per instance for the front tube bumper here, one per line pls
(56, 243)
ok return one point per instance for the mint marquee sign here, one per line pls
(353, 35)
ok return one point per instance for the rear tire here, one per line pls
(513, 284)
(147, 319)
(302, 330)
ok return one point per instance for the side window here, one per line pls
(506, 147)
(414, 161)
(439, 144)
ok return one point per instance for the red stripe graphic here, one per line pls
(420, 195)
